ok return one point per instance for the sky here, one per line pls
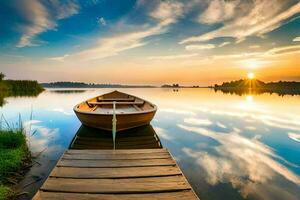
(190, 42)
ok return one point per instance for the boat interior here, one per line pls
(143, 137)
(124, 103)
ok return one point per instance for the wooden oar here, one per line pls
(114, 124)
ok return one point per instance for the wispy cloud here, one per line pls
(218, 11)
(196, 121)
(296, 39)
(283, 50)
(172, 57)
(254, 46)
(59, 58)
(102, 21)
(294, 136)
(41, 18)
(224, 44)
(274, 52)
(256, 161)
(199, 47)
(244, 18)
(165, 13)
(163, 133)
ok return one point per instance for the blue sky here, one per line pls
(187, 41)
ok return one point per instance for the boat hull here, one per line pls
(124, 121)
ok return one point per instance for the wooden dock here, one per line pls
(116, 174)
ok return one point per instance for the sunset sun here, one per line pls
(251, 75)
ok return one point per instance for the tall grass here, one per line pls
(14, 153)
(18, 88)
(23, 87)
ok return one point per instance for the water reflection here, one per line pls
(257, 91)
(4, 95)
(246, 163)
(138, 138)
(228, 146)
(65, 91)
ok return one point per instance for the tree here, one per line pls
(1, 76)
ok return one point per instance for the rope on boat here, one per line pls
(114, 124)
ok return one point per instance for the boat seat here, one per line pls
(117, 103)
(117, 99)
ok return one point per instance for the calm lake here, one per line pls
(228, 146)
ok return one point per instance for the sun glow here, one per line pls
(249, 98)
(251, 75)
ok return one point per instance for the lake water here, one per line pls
(228, 146)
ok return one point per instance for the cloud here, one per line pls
(65, 9)
(274, 52)
(249, 18)
(237, 157)
(294, 136)
(112, 46)
(223, 44)
(283, 50)
(296, 39)
(177, 111)
(218, 11)
(199, 47)
(163, 133)
(195, 121)
(254, 46)
(59, 58)
(165, 13)
(252, 128)
(63, 111)
(41, 18)
(102, 21)
(219, 124)
(171, 57)
(39, 137)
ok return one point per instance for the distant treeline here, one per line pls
(90, 85)
(245, 86)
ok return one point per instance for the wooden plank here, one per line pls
(117, 99)
(133, 156)
(116, 174)
(117, 103)
(137, 108)
(115, 163)
(116, 186)
(116, 151)
(129, 172)
(180, 195)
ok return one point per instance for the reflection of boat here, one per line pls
(130, 111)
(143, 137)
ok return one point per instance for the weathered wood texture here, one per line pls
(179, 195)
(132, 113)
(116, 174)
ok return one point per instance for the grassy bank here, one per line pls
(18, 88)
(21, 87)
(13, 156)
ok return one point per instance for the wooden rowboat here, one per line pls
(130, 111)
